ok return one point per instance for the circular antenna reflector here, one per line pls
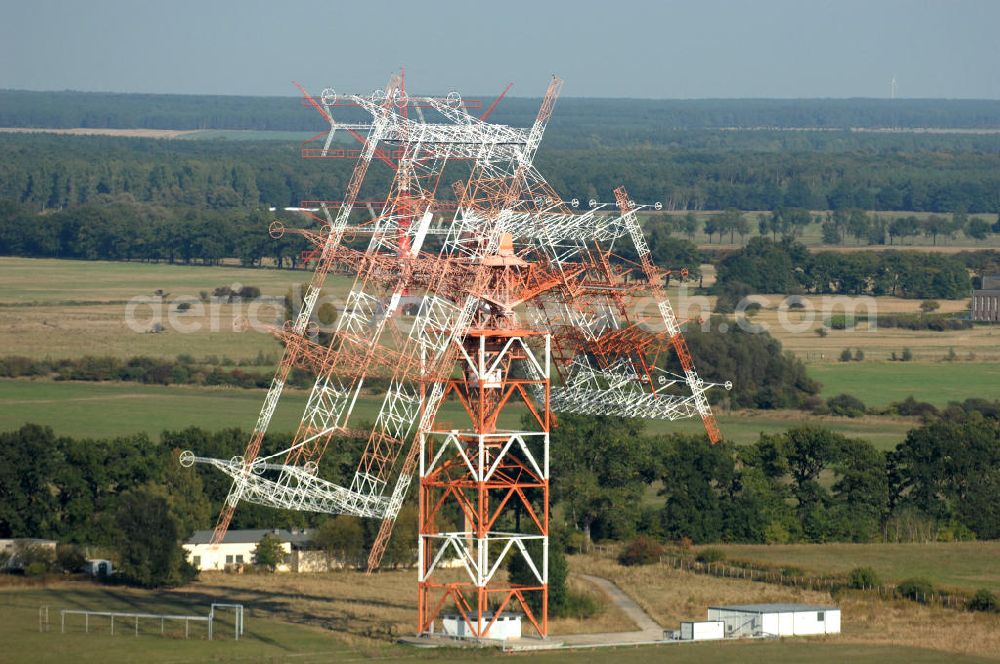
(378, 96)
(658, 205)
(328, 97)
(187, 458)
(729, 384)
(575, 202)
(276, 229)
(592, 202)
(454, 99)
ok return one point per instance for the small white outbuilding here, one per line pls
(776, 619)
(702, 631)
(506, 626)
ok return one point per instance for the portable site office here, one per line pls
(776, 619)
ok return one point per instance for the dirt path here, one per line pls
(649, 630)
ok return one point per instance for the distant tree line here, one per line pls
(45, 171)
(765, 266)
(146, 370)
(834, 226)
(23, 108)
(128, 231)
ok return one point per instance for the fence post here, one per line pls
(112, 624)
(137, 625)
(62, 620)
(86, 623)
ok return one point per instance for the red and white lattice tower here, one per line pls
(522, 301)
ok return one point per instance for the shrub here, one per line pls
(33, 559)
(268, 553)
(730, 295)
(843, 321)
(641, 551)
(792, 572)
(928, 306)
(576, 542)
(711, 555)
(907, 355)
(859, 355)
(984, 600)
(36, 568)
(183, 306)
(910, 407)
(777, 533)
(919, 590)
(581, 605)
(821, 332)
(815, 404)
(845, 355)
(863, 577)
(69, 557)
(846, 405)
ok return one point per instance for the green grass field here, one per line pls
(115, 409)
(960, 565)
(880, 383)
(269, 640)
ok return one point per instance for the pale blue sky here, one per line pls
(613, 48)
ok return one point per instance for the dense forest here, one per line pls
(48, 171)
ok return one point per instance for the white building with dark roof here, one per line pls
(237, 547)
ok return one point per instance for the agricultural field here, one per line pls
(880, 383)
(347, 616)
(60, 309)
(68, 309)
(964, 566)
(84, 409)
(798, 331)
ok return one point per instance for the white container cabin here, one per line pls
(776, 619)
(706, 630)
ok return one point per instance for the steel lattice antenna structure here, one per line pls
(521, 299)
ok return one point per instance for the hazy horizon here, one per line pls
(773, 49)
(487, 97)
